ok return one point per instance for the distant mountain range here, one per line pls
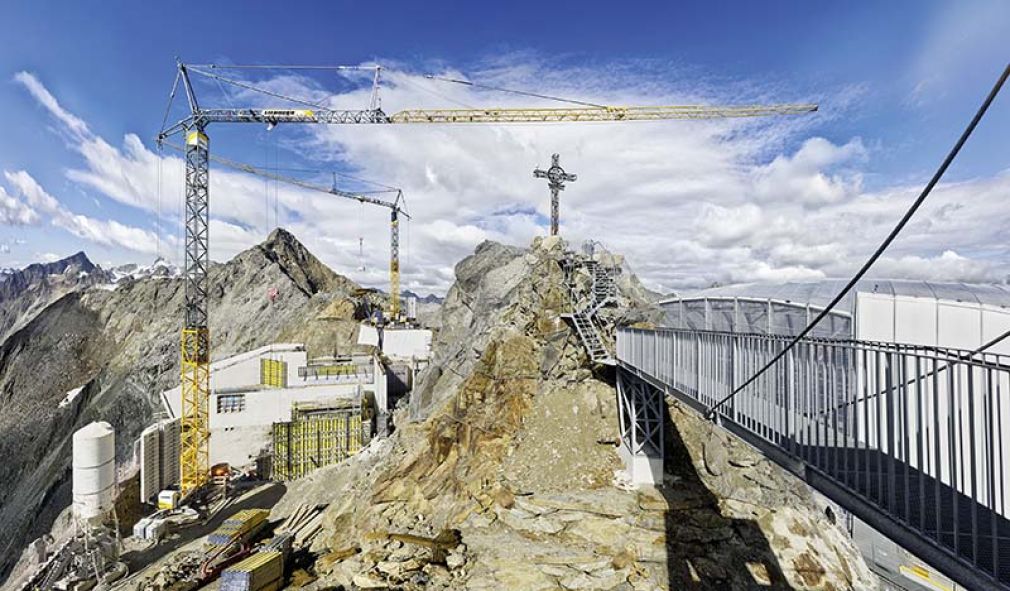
(159, 268)
(428, 299)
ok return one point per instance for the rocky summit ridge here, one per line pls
(509, 440)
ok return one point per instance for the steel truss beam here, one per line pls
(641, 412)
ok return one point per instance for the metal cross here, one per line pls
(556, 177)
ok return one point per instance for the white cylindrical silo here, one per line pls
(94, 470)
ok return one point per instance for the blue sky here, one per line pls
(896, 82)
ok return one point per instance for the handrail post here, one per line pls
(732, 373)
(790, 401)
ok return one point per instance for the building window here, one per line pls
(230, 403)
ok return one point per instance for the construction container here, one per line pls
(259, 572)
(140, 528)
(301, 446)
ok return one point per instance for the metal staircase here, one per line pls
(602, 291)
(591, 339)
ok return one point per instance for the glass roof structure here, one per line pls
(820, 292)
(786, 308)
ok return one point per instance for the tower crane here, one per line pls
(395, 207)
(195, 335)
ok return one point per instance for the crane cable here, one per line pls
(157, 233)
(277, 95)
(513, 91)
(880, 249)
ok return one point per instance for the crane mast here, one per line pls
(195, 342)
(195, 336)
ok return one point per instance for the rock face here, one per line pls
(513, 446)
(121, 346)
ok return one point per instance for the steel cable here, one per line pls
(883, 246)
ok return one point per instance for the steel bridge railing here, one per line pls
(908, 438)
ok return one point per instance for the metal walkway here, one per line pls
(908, 439)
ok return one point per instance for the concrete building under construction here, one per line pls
(281, 413)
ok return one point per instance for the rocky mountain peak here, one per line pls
(41, 279)
(298, 263)
(78, 261)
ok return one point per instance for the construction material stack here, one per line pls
(262, 571)
(304, 523)
(239, 526)
(159, 458)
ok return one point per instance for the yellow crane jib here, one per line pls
(576, 114)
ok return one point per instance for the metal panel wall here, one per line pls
(150, 463)
(170, 446)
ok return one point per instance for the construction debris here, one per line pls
(81, 562)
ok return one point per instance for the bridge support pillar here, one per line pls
(641, 412)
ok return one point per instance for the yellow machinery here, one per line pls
(168, 499)
(195, 335)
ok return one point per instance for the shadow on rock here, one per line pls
(705, 549)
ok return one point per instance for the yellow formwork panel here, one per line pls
(303, 445)
(274, 373)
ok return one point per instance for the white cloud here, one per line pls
(723, 226)
(941, 267)
(689, 203)
(13, 212)
(32, 192)
(803, 177)
(47, 100)
(104, 232)
(109, 233)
